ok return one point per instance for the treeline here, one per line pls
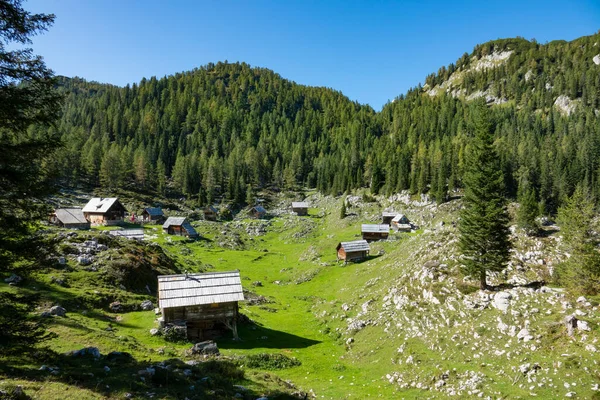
(224, 129)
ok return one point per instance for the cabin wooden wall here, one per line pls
(203, 321)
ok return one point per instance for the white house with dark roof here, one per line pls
(104, 211)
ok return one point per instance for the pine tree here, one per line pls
(343, 210)
(27, 97)
(581, 272)
(528, 211)
(484, 220)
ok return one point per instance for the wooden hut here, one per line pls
(400, 223)
(205, 303)
(104, 211)
(352, 251)
(300, 207)
(375, 231)
(71, 218)
(179, 226)
(153, 214)
(211, 213)
(387, 217)
(258, 212)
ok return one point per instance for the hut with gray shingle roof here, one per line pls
(71, 218)
(375, 231)
(179, 226)
(206, 303)
(153, 214)
(353, 251)
(258, 212)
(300, 207)
(211, 213)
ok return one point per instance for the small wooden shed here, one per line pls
(104, 211)
(71, 218)
(179, 226)
(153, 214)
(375, 231)
(353, 251)
(258, 212)
(300, 207)
(388, 216)
(206, 303)
(400, 223)
(211, 213)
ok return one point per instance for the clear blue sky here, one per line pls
(372, 51)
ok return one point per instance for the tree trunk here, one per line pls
(482, 281)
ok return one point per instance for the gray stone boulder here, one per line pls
(570, 324)
(58, 311)
(524, 335)
(207, 347)
(83, 260)
(91, 351)
(115, 306)
(502, 301)
(147, 305)
(154, 331)
(13, 279)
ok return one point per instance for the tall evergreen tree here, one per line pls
(27, 96)
(581, 272)
(528, 210)
(484, 220)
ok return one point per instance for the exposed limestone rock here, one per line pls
(502, 301)
(565, 105)
(596, 59)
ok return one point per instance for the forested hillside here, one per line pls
(214, 131)
(224, 129)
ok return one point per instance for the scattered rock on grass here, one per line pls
(207, 347)
(147, 305)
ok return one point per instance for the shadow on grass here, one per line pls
(254, 336)
(117, 373)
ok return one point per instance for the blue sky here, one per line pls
(372, 51)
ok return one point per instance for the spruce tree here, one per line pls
(484, 220)
(580, 273)
(343, 210)
(27, 97)
(528, 211)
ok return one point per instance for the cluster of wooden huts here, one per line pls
(359, 249)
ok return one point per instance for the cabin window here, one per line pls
(214, 305)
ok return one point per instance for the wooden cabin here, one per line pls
(375, 231)
(400, 223)
(352, 251)
(258, 212)
(387, 217)
(300, 207)
(153, 214)
(104, 211)
(211, 213)
(206, 303)
(71, 218)
(179, 226)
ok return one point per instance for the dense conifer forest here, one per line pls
(222, 130)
